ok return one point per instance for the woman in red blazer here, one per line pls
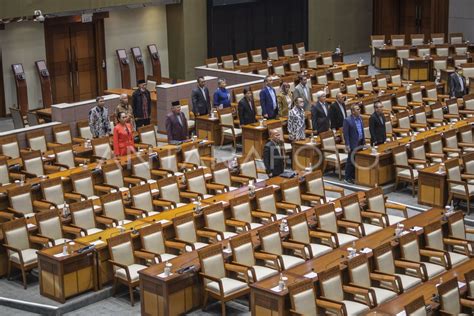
(123, 136)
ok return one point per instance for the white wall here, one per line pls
(131, 28)
(22, 43)
(461, 18)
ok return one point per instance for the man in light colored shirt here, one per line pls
(296, 121)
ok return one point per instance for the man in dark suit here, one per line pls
(176, 124)
(337, 111)
(268, 99)
(274, 154)
(353, 130)
(457, 84)
(246, 109)
(378, 134)
(141, 104)
(200, 98)
(320, 114)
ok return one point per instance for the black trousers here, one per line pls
(350, 168)
(142, 122)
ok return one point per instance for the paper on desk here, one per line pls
(153, 191)
(97, 242)
(402, 313)
(276, 289)
(366, 250)
(163, 221)
(163, 275)
(461, 284)
(30, 226)
(311, 275)
(59, 255)
(416, 228)
(178, 174)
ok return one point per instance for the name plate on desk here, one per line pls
(311, 275)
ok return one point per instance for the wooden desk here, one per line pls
(386, 58)
(66, 276)
(264, 301)
(307, 154)
(432, 187)
(45, 114)
(417, 69)
(427, 290)
(254, 138)
(208, 128)
(129, 92)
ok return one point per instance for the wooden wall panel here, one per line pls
(386, 17)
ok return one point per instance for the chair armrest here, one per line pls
(356, 290)
(175, 244)
(18, 251)
(186, 165)
(7, 216)
(132, 180)
(458, 242)
(310, 197)
(383, 218)
(72, 230)
(262, 255)
(110, 186)
(467, 303)
(418, 266)
(15, 212)
(209, 159)
(72, 196)
(301, 246)
(347, 224)
(328, 236)
(122, 266)
(163, 203)
(159, 173)
(39, 240)
(451, 150)
(134, 212)
(239, 179)
(83, 196)
(332, 306)
(144, 255)
(237, 223)
(214, 279)
(412, 161)
(188, 195)
(102, 188)
(42, 205)
(104, 220)
(51, 169)
(195, 193)
(442, 255)
(208, 234)
(401, 208)
(215, 186)
(334, 189)
(396, 284)
(238, 269)
(262, 214)
(287, 206)
(186, 243)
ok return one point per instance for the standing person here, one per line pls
(284, 99)
(123, 106)
(99, 119)
(200, 98)
(302, 91)
(268, 99)
(296, 121)
(337, 111)
(246, 109)
(353, 130)
(123, 136)
(176, 124)
(141, 103)
(378, 133)
(222, 95)
(320, 114)
(274, 154)
(457, 84)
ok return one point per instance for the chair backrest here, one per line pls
(315, 183)
(327, 58)
(141, 197)
(435, 143)
(409, 247)
(184, 227)
(459, 60)
(15, 233)
(84, 129)
(330, 283)
(4, 175)
(20, 199)
(434, 235)
(82, 214)
(62, 134)
(141, 166)
(453, 107)
(243, 59)
(442, 50)
(270, 239)
(294, 63)
(228, 61)
(112, 206)
(242, 249)
(351, 87)
(65, 155)
(403, 52)
(52, 190)
(191, 154)
(300, 48)
(287, 50)
(321, 76)
(211, 260)
(168, 160)
(396, 76)
(121, 249)
(169, 189)
(449, 297)
(456, 225)
(266, 199)
(303, 298)
(423, 50)
(420, 115)
(152, 238)
(49, 224)
(416, 94)
(376, 200)
(453, 170)
(437, 38)
(359, 271)
(17, 118)
(400, 157)
(147, 135)
(113, 175)
(212, 63)
(398, 40)
(214, 217)
(272, 53)
(221, 174)
(299, 228)
(311, 61)
(468, 71)
(241, 208)
(196, 181)
(326, 216)
(32, 118)
(468, 101)
(101, 147)
(82, 182)
(327, 140)
(417, 39)
(468, 162)
(248, 168)
(9, 146)
(416, 307)
(437, 111)
(451, 139)
(353, 71)
(460, 49)
(290, 191)
(403, 120)
(383, 258)
(465, 134)
(469, 278)
(351, 208)
(456, 38)
(33, 162)
(226, 117)
(440, 63)
(37, 140)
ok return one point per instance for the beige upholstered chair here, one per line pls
(266, 202)
(434, 239)
(328, 222)
(376, 41)
(147, 135)
(65, 157)
(37, 141)
(169, 191)
(188, 114)
(435, 148)
(196, 183)
(469, 278)
(291, 193)
(192, 156)
(256, 56)
(369, 222)
(226, 120)
(142, 199)
(216, 279)
(361, 275)
(101, 148)
(456, 38)
(376, 202)
(33, 164)
(84, 218)
(421, 121)
(222, 175)
(228, 62)
(403, 166)
(450, 300)
(212, 63)
(416, 307)
(397, 40)
(21, 254)
(249, 169)
(242, 211)
(411, 252)
(453, 111)
(272, 244)
(440, 63)
(404, 127)
(22, 202)
(300, 233)
(186, 233)
(142, 169)
(113, 209)
(332, 152)
(62, 135)
(113, 177)
(83, 184)
(451, 147)
(466, 139)
(384, 262)
(417, 39)
(458, 188)
(84, 129)
(50, 227)
(153, 242)
(9, 147)
(124, 262)
(5, 176)
(53, 193)
(243, 59)
(243, 254)
(333, 289)
(327, 58)
(215, 220)
(304, 302)
(437, 115)
(459, 231)
(468, 105)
